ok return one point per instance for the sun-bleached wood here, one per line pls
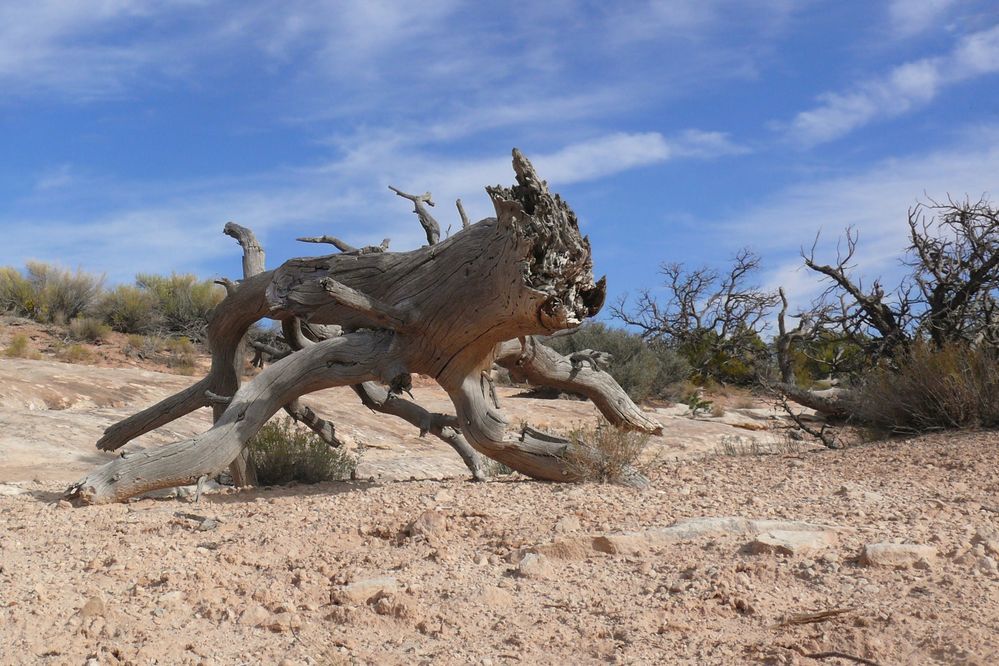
(441, 311)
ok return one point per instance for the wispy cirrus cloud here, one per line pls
(905, 88)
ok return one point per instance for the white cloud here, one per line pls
(874, 201)
(907, 87)
(912, 17)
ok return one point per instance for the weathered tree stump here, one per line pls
(444, 311)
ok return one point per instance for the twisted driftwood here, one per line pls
(444, 311)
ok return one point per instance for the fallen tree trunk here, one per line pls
(438, 311)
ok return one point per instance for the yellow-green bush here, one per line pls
(182, 301)
(129, 309)
(47, 293)
(19, 347)
(75, 354)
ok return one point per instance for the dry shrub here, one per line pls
(75, 354)
(88, 329)
(282, 453)
(929, 389)
(738, 446)
(183, 356)
(20, 348)
(605, 454)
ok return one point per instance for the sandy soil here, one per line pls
(510, 571)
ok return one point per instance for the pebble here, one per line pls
(534, 565)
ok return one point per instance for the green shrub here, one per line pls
(605, 454)
(19, 347)
(88, 329)
(182, 302)
(928, 389)
(129, 309)
(642, 369)
(282, 453)
(48, 293)
(16, 294)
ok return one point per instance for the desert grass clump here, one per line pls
(737, 446)
(927, 389)
(282, 453)
(604, 454)
(88, 329)
(19, 347)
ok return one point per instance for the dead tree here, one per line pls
(442, 311)
(706, 315)
(954, 257)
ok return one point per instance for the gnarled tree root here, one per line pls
(350, 359)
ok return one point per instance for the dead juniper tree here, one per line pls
(447, 310)
(949, 296)
(713, 319)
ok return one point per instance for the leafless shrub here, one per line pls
(605, 454)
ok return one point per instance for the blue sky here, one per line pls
(130, 131)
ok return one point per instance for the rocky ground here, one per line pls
(883, 553)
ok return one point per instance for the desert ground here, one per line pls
(885, 552)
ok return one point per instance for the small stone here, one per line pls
(534, 565)
(208, 524)
(785, 542)
(95, 607)
(898, 555)
(428, 524)
(281, 622)
(481, 559)
(493, 597)
(65, 504)
(174, 598)
(567, 524)
(254, 616)
(987, 565)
